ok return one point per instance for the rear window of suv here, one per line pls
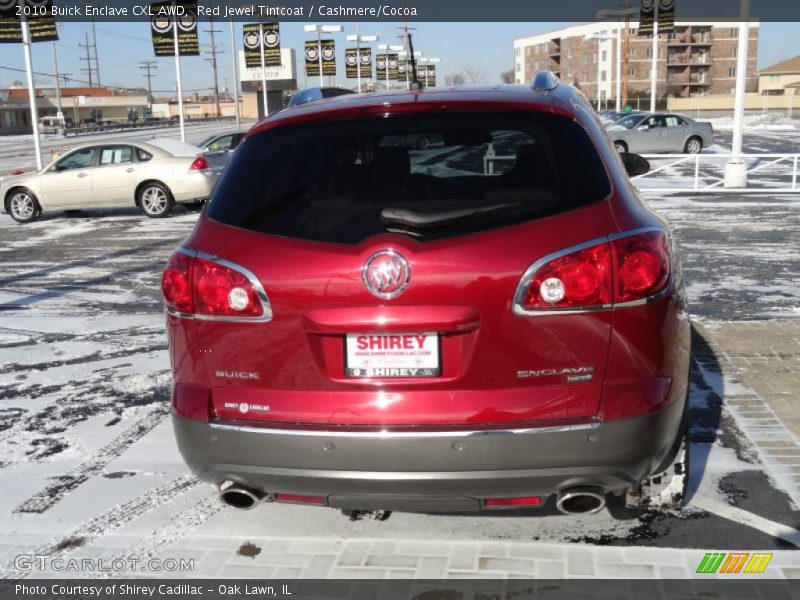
(424, 176)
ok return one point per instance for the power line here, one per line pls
(148, 66)
(89, 70)
(213, 51)
(64, 77)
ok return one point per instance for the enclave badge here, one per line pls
(386, 274)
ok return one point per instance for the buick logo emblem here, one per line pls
(386, 274)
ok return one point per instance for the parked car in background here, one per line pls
(366, 322)
(660, 132)
(222, 141)
(612, 116)
(318, 93)
(153, 175)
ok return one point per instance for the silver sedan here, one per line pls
(662, 132)
(153, 175)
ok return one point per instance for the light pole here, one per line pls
(358, 39)
(736, 170)
(386, 48)
(235, 64)
(619, 15)
(319, 30)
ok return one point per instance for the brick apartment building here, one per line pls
(697, 59)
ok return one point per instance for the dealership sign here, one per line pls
(284, 70)
(352, 56)
(327, 49)
(40, 19)
(262, 37)
(163, 21)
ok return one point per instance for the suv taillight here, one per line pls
(212, 289)
(602, 275)
(641, 266)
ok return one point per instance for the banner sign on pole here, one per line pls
(164, 13)
(380, 66)
(393, 64)
(403, 67)
(666, 15)
(351, 63)
(41, 23)
(647, 16)
(428, 73)
(328, 58)
(253, 41)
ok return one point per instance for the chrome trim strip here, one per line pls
(405, 434)
(530, 272)
(266, 307)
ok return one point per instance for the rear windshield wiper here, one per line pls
(413, 219)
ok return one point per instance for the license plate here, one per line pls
(392, 355)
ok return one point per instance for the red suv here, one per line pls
(444, 300)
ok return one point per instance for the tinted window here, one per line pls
(80, 159)
(425, 177)
(629, 122)
(116, 155)
(223, 143)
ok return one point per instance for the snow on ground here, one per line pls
(764, 122)
(88, 461)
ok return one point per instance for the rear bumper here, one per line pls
(385, 470)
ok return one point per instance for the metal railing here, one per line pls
(705, 173)
(701, 173)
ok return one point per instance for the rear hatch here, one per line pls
(391, 250)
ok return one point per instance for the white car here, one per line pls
(152, 175)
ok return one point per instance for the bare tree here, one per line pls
(507, 76)
(455, 79)
(474, 75)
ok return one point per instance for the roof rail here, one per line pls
(544, 81)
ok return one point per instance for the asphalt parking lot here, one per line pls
(88, 465)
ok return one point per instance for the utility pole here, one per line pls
(96, 61)
(60, 113)
(88, 70)
(148, 66)
(213, 51)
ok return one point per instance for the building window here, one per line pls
(516, 51)
(632, 72)
(519, 68)
(602, 75)
(569, 51)
(734, 52)
(633, 31)
(604, 55)
(732, 72)
(594, 58)
(734, 32)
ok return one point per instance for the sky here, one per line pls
(121, 46)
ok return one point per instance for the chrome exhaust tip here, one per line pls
(241, 497)
(581, 500)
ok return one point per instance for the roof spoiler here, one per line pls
(544, 81)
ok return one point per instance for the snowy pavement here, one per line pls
(89, 466)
